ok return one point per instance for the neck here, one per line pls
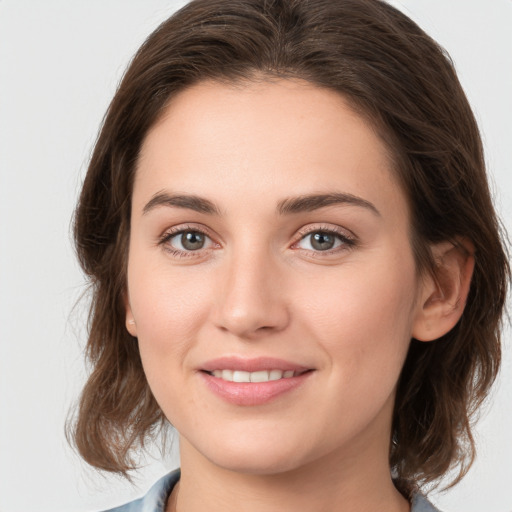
(330, 483)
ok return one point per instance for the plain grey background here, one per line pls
(60, 61)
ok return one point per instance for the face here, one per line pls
(271, 282)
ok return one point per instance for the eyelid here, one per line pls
(329, 228)
(348, 238)
(173, 231)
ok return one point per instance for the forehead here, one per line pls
(264, 140)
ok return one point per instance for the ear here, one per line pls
(443, 295)
(131, 326)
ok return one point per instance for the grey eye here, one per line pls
(321, 241)
(188, 241)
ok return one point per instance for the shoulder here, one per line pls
(155, 499)
(421, 504)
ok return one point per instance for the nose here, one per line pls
(251, 302)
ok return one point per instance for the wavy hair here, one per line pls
(404, 83)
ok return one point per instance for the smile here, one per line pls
(253, 382)
(256, 376)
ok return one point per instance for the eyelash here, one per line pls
(348, 242)
(173, 232)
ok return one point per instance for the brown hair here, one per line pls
(400, 79)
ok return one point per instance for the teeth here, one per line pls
(259, 376)
(241, 376)
(275, 375)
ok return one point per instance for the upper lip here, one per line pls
(251, 365)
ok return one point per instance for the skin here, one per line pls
(258, 287)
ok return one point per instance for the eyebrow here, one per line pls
(311, 202)
(288, 206)
(190, 202)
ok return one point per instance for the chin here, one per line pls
(249, 455)
(257, 464)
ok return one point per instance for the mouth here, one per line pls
(255, 376)
(251, 382)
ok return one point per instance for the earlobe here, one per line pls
(443, 295)
(131, 326)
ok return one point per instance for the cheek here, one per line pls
(363, 319)
(163, 297)
(169, 312)
(169, 309)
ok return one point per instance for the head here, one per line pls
(390, 75)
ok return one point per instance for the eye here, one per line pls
(188, 240)
(185, 241)
(324, 240)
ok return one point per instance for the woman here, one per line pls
(295, 261)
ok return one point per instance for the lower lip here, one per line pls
(252, 393)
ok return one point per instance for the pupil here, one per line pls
(192, 240)
(322, 241)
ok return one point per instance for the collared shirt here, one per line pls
(156, 499)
